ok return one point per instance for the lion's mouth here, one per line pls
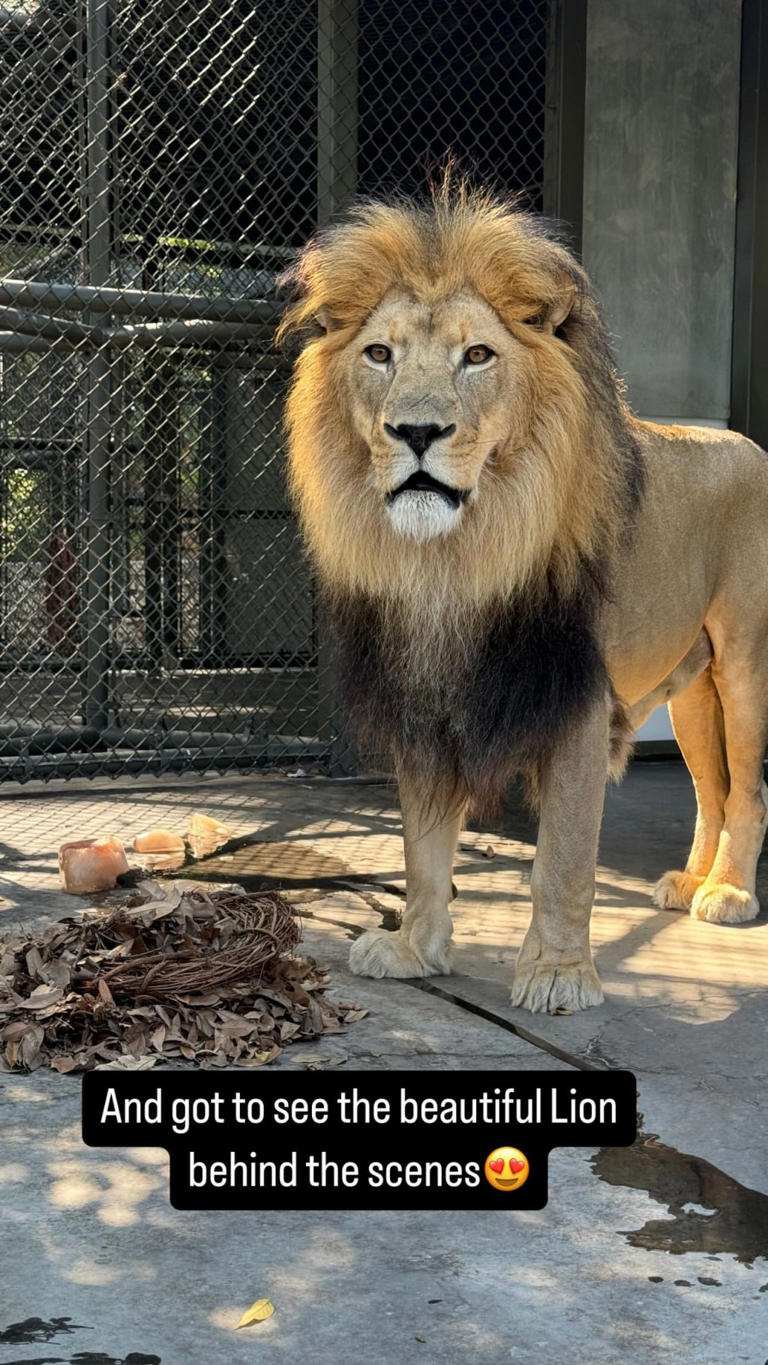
(422, 482)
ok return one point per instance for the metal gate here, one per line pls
(162, 161)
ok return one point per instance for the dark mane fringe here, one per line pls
(534, 668)
(586, 334)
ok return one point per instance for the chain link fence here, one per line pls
(162, 161)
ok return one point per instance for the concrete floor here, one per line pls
(656, 1258)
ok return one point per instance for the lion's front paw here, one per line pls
(724, 904)
(676, 890)
(547, 987)
(382, 952)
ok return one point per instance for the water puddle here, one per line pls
(708, 1210)
(89, 1358)
(36, 1330)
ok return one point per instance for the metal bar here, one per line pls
(162, 527)
(564, 123)
(337, 134)
(36, 324)
(97, 211)
(230, 759)
(749, 383)
(33, 739)
(214, 589)
(19, 343)
(140, 302)
(337, 31)
(147, 334)
(15, 343)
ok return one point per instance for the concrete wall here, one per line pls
(659, 202)
(660, 194)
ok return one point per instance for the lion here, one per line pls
(518, 570)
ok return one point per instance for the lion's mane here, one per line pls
(467, 657)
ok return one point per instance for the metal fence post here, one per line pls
(337, 35)
(97, 261)
(337, 26)
(563, 187)
(212, 510)
(749, 389)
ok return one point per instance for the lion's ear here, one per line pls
(558, 311)
(550, 316)
(324, 319)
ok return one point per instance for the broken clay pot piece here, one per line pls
(88, 865)
(158, 841)
(205, 835)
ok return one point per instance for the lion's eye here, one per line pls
(380, 355)
(477, 355)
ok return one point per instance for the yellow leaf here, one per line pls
(257, 1312)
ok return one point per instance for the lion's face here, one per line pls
(432, 390)
(453, 427)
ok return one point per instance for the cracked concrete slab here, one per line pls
(94, 1238)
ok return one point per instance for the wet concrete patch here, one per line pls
(89, 1358)
(709, 1210)
(36, 1330)
(39, 1329)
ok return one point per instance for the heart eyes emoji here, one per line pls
(506, 1168)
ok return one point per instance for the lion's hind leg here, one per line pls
(727, 895)
(697, 721)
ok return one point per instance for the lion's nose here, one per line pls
(418, 438)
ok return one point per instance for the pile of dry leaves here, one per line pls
(168, 972)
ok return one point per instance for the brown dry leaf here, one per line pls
(236, 1028)
(57, 973)
(136, 1045)
(105, 993)
(34, 962)
(29, 1047)
(64, 1064)
(14, 1030)
(261, 1058)
(128, 1064)
(312, 1063)
(258, 1312)
(42, 997)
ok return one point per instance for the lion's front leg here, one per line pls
(554, 969)
(422, 944)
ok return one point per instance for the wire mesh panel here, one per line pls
(162, 162)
